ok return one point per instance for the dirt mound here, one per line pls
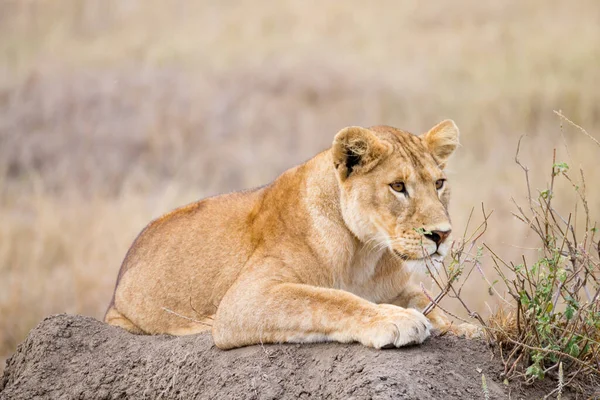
(75, 357)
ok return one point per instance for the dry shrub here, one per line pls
(556, 305)
(548, 321)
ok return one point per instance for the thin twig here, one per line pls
(184, 317)
(560, 114)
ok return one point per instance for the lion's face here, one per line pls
(394, 192)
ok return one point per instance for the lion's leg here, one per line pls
(115, 318)
(413, 297)
(270, 311)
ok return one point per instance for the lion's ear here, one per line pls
(442, 140)
(357, 150)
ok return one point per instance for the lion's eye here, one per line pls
(439, 183)
(398, 187)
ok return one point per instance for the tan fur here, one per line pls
(325, 252)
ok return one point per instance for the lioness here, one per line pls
(323, 253)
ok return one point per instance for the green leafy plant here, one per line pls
(549, 321)
(553, 321)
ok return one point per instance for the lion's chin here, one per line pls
(421, 264)
(435, 256)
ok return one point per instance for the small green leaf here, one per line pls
(560, 167)
(422, 231)
(569, 311)
(535, 370)
(573, 349)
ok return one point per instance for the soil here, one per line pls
(76, 357)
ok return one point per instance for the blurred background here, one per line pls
(114, 112)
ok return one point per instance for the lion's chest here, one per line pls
(363, 277)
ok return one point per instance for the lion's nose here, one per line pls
(438, 236)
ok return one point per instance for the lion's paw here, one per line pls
(467, 330)
(396, 327)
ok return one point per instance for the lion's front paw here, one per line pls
(396, 327)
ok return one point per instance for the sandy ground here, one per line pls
(75, 357)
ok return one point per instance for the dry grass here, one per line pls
(112, 113)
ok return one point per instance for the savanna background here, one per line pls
(114, 112)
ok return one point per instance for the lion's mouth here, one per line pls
(434, 256)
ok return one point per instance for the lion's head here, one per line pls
(393, 190)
